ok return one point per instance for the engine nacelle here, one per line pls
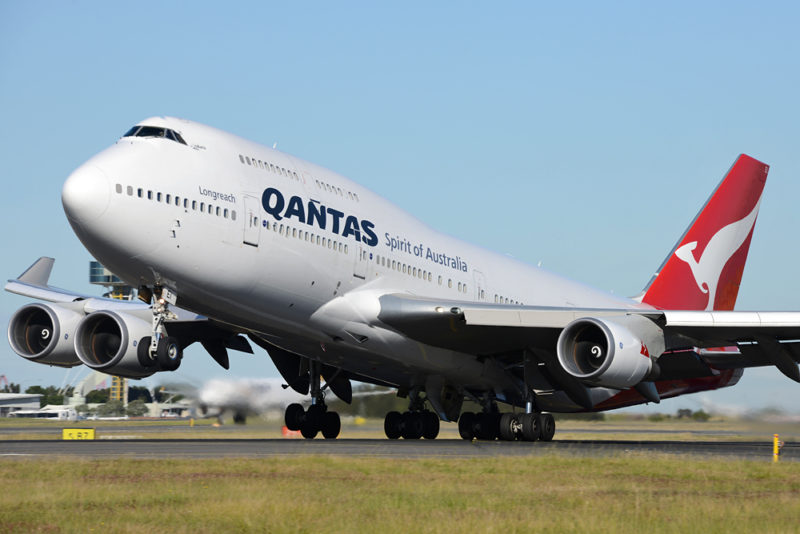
(43, 333)
(106, 341)
(614, 352)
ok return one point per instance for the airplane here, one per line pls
(230, 241)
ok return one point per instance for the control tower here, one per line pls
(115, 289)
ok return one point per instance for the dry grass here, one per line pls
(343, 494)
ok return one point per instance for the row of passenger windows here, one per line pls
(304, 235)
(175, 200)
(336, 190)
(505, 300)
(267, 166)
(412, 271)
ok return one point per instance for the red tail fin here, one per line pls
(705, 268)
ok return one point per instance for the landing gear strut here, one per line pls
(317, 418)
(416, 423)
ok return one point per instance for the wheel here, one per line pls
(547, 427)
(309, 430)
(430, 425)
(465, 424)
(331, 425)
(143, 353)
(294, 416)
(486, 426)
(315, 416)
(391, 425)
(508, 426)
(530, 426)
(412, 425)
(169, 353)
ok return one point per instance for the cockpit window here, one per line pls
(155, 131)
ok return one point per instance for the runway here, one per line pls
(447, 448)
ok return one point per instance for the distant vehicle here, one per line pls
(227, 240)
(55, 413)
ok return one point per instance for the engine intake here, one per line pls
(106, 341)
(615, 352)
(43, 333)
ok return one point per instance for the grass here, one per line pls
(344, 494)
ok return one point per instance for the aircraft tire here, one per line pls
(169, 353)
(547, 427)
(309, 430)
(143, 353)
(530, 426)
(508, 421)
(465, 426)
(413, 425)
(430, 425)
(486, 426)
(391, 425)
(293, 418)
(331, 425)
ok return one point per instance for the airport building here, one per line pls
(15, 402)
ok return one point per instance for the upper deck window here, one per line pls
(154, 131)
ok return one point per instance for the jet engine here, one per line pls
(107, 341)
(614, 352)
(43, 333)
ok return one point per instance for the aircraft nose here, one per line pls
(86, 194)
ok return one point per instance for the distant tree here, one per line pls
(700, 415)
(136, 408)
(139, 392)
(580, 416)
(82, 409)
(49, 395)
(684, 412)
(10, 388)
(97, 396)
(655, 417)
(111, 409)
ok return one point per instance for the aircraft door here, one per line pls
(362, 261)
(480, 286)
(252, 220)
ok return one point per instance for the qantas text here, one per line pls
(315, 214)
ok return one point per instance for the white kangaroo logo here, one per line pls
(719, 250)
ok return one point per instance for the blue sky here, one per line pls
(585, 137)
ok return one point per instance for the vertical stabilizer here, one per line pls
(705, 268)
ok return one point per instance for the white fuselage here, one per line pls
(192, 218)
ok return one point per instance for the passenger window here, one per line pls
(440, 279)
(233, 215)
(241, 158)
(202, 207)
(248, 160)
(225, 213)
(139, 192)
(217, 210)
(118, 187)
(130, 191)
(149, 195)
(169, 198)
(185, 202)
(158, 197)
(194, 205)
(449, 282)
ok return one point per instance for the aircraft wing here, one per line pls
(759, 338)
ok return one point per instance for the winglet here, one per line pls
(704, 269)
(38, 274)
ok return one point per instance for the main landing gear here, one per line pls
(416, 423)
(159, 350)
(317, 418)
(489, 426)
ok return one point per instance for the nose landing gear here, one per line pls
(160, 350)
